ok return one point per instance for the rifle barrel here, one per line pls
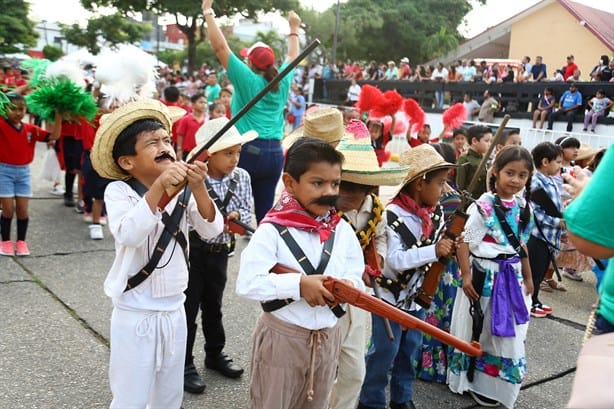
(493, 145)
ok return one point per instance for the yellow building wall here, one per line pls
(554, 33)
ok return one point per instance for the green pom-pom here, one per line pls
(5, 102)
(64, 96)
(37, 68)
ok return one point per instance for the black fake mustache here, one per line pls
(327, 200)
(165, 156)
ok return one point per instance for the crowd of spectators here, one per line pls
(486, 71)
(210, 80)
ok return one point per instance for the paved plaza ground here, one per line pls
(54, 331)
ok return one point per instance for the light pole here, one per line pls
(44, 22)
(334, 56)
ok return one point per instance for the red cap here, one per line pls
(260, 55)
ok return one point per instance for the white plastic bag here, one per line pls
(51, 167)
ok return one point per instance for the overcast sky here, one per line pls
(478, 20)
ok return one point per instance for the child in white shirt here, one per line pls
(148, 325)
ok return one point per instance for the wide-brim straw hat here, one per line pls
(360, 164)
(420, 160)
(113, 124)
(585, 152)
(176, 113)
(325, 124)
(230, 138)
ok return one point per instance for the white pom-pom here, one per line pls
(66, 69)
(126, 73)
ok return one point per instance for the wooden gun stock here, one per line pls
(238, 227)
(202, 156)
(426, 293)
(372, 259)
(345, 293)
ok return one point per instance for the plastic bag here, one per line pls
(51, 167)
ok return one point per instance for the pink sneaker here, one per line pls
(546, 308)
(6, 248)
(21, 248)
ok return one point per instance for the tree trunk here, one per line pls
(191, 34)
(189, 30)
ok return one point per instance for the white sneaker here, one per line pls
(96, 232)
(57, 190)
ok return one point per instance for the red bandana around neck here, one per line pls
(288, 212)
(424, 213)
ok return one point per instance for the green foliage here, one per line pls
(188, 13)
(16, 29)
(52, 52)
(320, 26)
(171, 56)
(440, 43)
(390, 29)
(114, 29)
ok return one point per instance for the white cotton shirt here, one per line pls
(401, 258)
(266, 248)
(136, 231)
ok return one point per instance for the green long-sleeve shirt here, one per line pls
(467, 167)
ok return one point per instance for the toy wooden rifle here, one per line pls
(426, 293)
(372, 259)
(345, 293)
(202, 154)
(456, 225)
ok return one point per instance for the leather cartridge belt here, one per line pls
(217, 248)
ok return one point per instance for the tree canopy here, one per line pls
(114, 29)
(16, 29)
(188, 13)
(390, 29)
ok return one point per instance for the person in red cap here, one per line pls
(262, 157)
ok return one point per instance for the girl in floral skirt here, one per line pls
(505, 295)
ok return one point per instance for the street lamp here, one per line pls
(334, 56)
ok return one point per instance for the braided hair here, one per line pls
(513, 153)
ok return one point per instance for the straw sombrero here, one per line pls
(230, 138)
(325, 124)
(421, 159)
(585, 152)
(113, 124)
(176, 113)
(360, 165)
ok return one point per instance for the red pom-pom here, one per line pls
(389, 104)
(370, 96)
(454, 116)
(416, 115)
(401, 124)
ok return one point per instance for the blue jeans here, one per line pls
(439, 99)
(263, 159)
(383, 355)
(603, 326)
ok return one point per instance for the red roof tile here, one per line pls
(598, 22)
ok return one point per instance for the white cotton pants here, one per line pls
(147, 358)
(351, 364)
